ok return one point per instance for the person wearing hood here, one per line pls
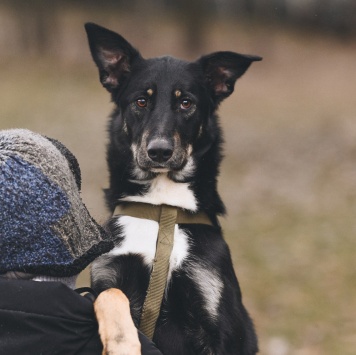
(47, 237)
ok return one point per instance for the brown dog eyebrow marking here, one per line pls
(150, 92)
(177, 93)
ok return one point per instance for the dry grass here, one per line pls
(291, 164)
(288, 180)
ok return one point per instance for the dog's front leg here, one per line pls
(116, 328)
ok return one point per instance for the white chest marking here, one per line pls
(165, 191)
(141, 238)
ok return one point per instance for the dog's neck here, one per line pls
(162, 190)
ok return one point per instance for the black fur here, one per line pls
(165, 119)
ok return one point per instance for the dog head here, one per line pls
(165, 105)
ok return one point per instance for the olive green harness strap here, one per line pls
(159, 274)
(167, 217)
(153, 212)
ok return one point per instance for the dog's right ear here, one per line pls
(112, 54)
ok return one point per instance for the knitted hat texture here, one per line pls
(44, 226)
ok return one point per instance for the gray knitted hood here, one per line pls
(44, 226)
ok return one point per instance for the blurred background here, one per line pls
(289, 176)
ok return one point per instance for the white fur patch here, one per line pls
(210, 286)
(180, 250)
(165, 191)
(141, 238)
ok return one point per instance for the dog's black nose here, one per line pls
(160, 150)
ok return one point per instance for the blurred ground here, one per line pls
(288, 180)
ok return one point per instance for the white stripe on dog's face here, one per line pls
(165, 191)
(141, 239)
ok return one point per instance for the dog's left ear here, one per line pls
(112, 54)
(222, 69)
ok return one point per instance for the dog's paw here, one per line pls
(116, 328)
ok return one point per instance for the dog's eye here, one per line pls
(185, 104)
(141, 102)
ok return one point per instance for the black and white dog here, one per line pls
(165, 148)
